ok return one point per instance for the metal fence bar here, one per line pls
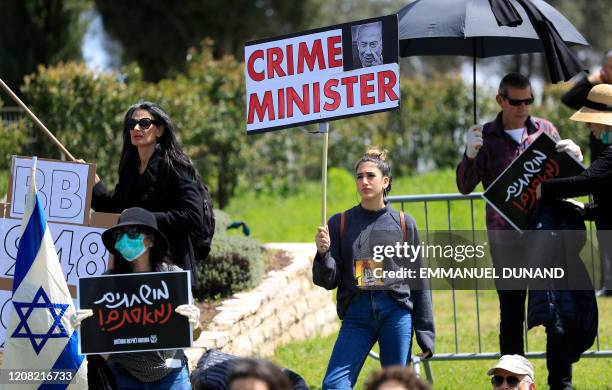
(10, 114)
(496, 355)
(450, 229)
(426, 199)
(525, 329)
(476, 280)
(593, 270)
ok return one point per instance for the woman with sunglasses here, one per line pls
(138, 246)
(155, 174)
(596, 180)
(388, 313)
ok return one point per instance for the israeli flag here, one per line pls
(39, 337)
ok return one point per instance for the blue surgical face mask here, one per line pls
(130, 248)
(606, 138)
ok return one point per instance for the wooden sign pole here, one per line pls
(36, 120)
(324, 128)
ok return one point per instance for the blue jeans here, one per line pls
(372, 316)
(178, 379)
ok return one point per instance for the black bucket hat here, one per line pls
(140, 217)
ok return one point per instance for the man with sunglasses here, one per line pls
(490, 149)
(512, 372)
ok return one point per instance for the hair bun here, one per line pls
(380, 154)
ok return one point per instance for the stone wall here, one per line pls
(286, 306)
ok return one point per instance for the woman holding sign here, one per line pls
(138, 246)
(155, 174)
(597, 179)
(387, 313)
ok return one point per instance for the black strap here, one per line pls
(597, 106)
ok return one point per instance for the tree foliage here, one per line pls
(157, 34)
(36, 32)
(82, 109)
(85, 111)
(12, 140)
(207, 104)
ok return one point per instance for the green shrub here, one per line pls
(222, 221)
(83, 110)
(235, 263)
(12, 139)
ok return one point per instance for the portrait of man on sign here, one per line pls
(367, 45)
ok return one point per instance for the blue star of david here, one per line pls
(40, 301)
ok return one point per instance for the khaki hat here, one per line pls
(598, 106)
(516, 364)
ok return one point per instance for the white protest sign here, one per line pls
(319, 75)
(64, 189)
(79, 248)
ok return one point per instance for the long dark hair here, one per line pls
(167, 145)
(156, 257)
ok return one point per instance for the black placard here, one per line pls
(513, 193)
(134, 312)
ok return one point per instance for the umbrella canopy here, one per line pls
(489, 28)
(469, 28)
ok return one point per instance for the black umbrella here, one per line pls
(488, 28)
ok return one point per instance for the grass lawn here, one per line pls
(275, 218)
(294, 218)
(309, 358)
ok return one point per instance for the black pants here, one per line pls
(558, 362)
(605, 252)
(511, 301)
(511, 324)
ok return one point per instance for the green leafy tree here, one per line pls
(157, 34)
(83, 110)
(37, 32)
(12, 140)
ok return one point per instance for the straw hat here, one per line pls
(598, 106)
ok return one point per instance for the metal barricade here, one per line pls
(447, 199)
(10, 114)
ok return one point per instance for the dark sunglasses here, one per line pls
(144, 123)
(498, 380)
(132, 232)
(518, 102)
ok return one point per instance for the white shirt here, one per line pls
(516, 134)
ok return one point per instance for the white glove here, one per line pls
(192, 312)
(580, 205)
(567, 145)
(78, 316)
(473, 140)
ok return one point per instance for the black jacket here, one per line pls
(571, 314)
(577, 95)
(171, 193)
(596, 180)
